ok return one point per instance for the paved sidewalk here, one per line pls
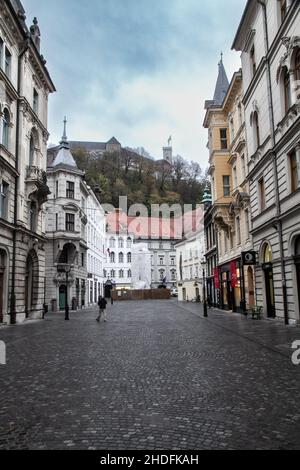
(272, 334)
(156, 376)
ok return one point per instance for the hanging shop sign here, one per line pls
(249, 258)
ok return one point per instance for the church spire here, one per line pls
(64, 141)
(222, 84)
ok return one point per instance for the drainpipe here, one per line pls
(278, 208)
(13, 313)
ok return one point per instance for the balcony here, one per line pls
(36, 182)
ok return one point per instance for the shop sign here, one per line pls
(249, 258)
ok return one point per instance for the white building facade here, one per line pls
(96, 242)
(118, 267)
(25, 86)
(190, 259)
(269, 40)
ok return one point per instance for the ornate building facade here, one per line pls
(66, 253)
(25, 86)
(268, 38)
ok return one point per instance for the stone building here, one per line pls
(268, 38)
(231, 215)
(66, 249)
(25, 86)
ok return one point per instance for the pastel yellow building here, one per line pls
(231, 216)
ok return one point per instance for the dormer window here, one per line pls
(35, 101)
(7, 64)
(283, 9)
(253, 60)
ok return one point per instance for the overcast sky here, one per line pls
(139, 70)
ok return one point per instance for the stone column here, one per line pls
(298, 161)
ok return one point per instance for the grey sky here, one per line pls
(136, 69)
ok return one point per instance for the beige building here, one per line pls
(25, 86)
(268, 38)
(230, 211)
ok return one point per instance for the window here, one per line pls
(173, 275)
(129, 242)
(240, 114)
(6, 123)
(247, 223)
(113, 273)
(121, 243)
(56, 222)
(287, 90)
(262, 194)
(129, 257)
(231, 130)
(223, 137)
(121, 274)
(1, 53)
(283, 9)
(129, 273)
(172, 261)
(82, 260)
(238, 230)
(112, 243)
(121, 258)
(294, 171)
(7, 62)
(35, 101)
(243, 164)
(31, 151)
(70, 190)
(112, 257)
(104, 273)
(256, 130)
(56, 189)
(253, 60)
(297, 65)
(33, 216)
(161, 261)
(4, 187)
(226, 242)
(235, 180)
(226, 186)
(70, 222)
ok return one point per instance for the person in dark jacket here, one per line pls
(102, 309)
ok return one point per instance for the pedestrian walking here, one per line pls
(102, 309)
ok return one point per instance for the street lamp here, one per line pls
(203, 265)
(67, 271)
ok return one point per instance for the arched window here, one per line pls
(112, 273)
(297, 64)
(129, 257)
(256, 129)
(6, 122)
(121, 274)
(287, 89)
(112, 242)
(31, 151)
(267, 254)
(129, 273)
(121, 243)
(112, 257)
(129, 242)
(121, 258)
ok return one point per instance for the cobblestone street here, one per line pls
(156, 376)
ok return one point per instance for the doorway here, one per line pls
(297, 263)
(251, 293)
(62, 297)
(270, 294)
(1, 294)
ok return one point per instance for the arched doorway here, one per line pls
(62, 296)
(31, 282)
(269, 280)
(251, 293)
(297, 263)
(3, 272)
